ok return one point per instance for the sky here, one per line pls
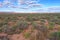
(29, 5)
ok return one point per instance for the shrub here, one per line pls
(35, 18)
(29, 18)
(55, 36)
(22, 25)
(4, 28)
(35, 25)
(1, 24)
(42, 20)
(7, 29)
(4, 38)
(26, 35)
(51, 25)
(41, 28)
(0, 29)
(40, 36)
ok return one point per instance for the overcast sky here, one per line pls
(30, 5)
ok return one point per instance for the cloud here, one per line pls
(21, 4)
(6, 3)
(29, 5)
(0, 4)
(31, 2)
(49, 9)
(36, 5)
(26, 1)
(54, 9)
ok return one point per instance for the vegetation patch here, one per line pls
(26, 35)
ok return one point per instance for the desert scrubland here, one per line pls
(30, 26)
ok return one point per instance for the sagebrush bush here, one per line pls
(4, 38)
(29, 18)
(22, 25)
(26, 35)
(55, 36)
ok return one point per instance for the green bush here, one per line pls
(29, 18)
(51, 25)
(22, 25)
(9, 30)
(0, 29)
(55, 36)
(27, 35)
